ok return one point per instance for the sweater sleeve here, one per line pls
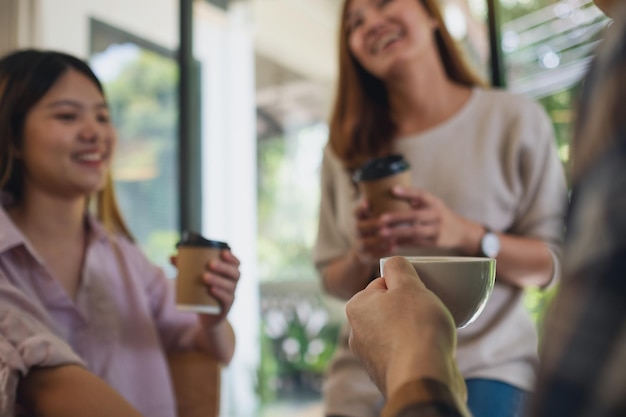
(330, 242)
(541, 210)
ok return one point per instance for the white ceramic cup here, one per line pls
(463, 284)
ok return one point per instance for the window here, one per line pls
(547, 47)
(141, 80)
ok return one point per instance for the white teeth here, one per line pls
(89, 157)
(385, 40)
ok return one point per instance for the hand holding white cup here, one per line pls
(464, 284)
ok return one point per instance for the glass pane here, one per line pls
(548, 45)
(141, 79)
(466, 21)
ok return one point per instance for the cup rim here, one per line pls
(193, 239)
(381, 167)
(441, 259)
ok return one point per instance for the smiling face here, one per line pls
(385, 34)
(68, 139)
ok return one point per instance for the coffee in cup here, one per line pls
(464, 284)
(194, 253)
(377, 177)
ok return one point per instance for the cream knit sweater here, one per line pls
(494, 162)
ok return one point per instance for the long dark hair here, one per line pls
(25, 77)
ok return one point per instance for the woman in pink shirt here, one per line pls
(74, 288)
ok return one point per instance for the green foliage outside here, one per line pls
(293, 363)
(537, 302)
(294, 350)
(288, 200)
(143, 103)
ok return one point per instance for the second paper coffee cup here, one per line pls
(194, 253)
(378, 176)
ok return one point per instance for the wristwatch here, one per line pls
(489, 244)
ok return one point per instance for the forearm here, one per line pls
(217, 340)
(69, 391)
(524, 262)
(521, 261)
(424, 380)
(347, 275)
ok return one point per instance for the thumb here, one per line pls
(377, 285)
(398, 272)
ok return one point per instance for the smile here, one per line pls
(385, 40)
(90, 157)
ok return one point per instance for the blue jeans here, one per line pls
(489, 398)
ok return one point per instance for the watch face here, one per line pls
(490, 245)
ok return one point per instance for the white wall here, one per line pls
(299, 34)
(64, 24)
(225, 48)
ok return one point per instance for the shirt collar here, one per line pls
(11, 236)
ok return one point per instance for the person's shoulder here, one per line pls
(513, 107)
(331, 159)
(329, 152)
(114, 244)
(500, 98)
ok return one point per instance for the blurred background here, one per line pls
(222, 110)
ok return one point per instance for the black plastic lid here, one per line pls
(378, 168)
(195, 239)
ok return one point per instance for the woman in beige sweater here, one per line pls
(484, 169)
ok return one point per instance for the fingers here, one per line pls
(378, 284)
(227, 266)
(421, 234)
(227, 256)
(224, 291)
(222, 277)
(219, 282)
(357, 300)
(412, 195)
(222, 287)
(362, 210)
(399, 272)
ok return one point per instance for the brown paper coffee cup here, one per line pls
(194, 253)
(377, 177)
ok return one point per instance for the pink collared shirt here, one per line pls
(119, 326)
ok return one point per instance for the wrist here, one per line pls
(489, 244)
(412, 365)
(364, 262)
(471, 240)
(211, 323)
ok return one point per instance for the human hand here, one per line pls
(429, 223)
(402, 332)
(221, 278)
(371, 243)
(221, 281)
